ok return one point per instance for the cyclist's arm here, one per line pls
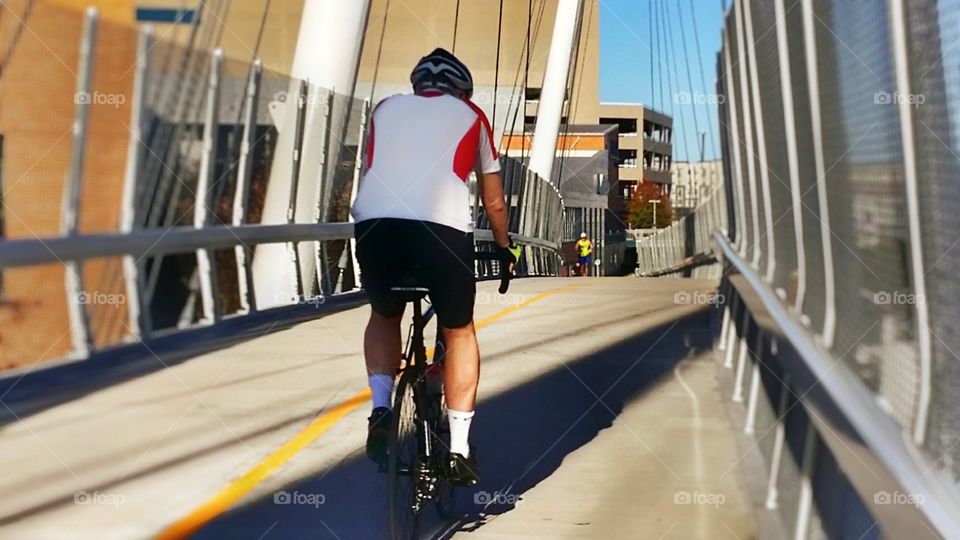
(491, 189)
(491, 182)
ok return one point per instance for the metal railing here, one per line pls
(685, 247)
(838, 324)
(221, 246)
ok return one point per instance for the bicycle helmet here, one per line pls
(443, 71)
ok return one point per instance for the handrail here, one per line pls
(865, 433)
(143, 242)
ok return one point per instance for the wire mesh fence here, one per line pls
(843, 113)
(685, 247)
(177, 130)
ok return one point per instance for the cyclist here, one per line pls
(413, 208)
(584, 250)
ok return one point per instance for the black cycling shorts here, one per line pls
(441, 257)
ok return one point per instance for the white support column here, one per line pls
(327, 55)
(138, 108)
(793, 162)
(901, 59)
(810, 36)
(554, 90)
(779, 437)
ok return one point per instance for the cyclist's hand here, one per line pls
(510, 255)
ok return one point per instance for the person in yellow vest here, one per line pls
(584, 251)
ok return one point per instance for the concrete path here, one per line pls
(599, 417)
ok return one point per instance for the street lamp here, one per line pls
(655, 202)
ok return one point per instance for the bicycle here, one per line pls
(415, 447)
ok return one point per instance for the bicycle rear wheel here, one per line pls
(402, 461)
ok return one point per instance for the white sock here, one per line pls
(382, 388)
(460, 431)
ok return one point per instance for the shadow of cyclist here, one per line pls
(522, 436)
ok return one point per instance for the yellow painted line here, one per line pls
(235, 490)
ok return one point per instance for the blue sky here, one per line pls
(625, 61)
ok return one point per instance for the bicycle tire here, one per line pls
(403, 449)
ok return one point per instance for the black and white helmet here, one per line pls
(443, 71)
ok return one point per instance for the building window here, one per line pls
(628, 158)
(626, 127)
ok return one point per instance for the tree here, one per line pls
(639, 209)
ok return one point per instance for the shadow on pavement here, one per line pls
(522, 436)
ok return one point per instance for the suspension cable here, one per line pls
(496, 71)
(686, 61)
(703, 78)
(668, 30)
(572, 104)
(653, 90)
(456, 23)
(516, 80)
(376, 65)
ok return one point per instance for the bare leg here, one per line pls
(381, 344)
(461, 367)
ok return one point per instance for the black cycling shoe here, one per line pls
(378, 431)
(461, 471)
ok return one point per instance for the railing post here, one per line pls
(322, 203)
(748, 136)
(293, 247)
(741, 359)
(77, 298)
(350, 248)
(779, 437)
(918, 269)
(205, 206)
(761, 144)
(241, 195)
(139, 319)
(789, 124)
(805, 502)
(809, 36)
(734, 138)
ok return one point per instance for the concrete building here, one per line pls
(644, 133)
(692, 182)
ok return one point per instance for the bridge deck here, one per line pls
(599, 417)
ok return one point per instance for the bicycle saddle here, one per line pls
(410, 286)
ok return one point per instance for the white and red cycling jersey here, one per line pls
(420, 151)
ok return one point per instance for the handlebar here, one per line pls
(505, 274)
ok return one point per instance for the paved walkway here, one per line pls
(599, 417)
